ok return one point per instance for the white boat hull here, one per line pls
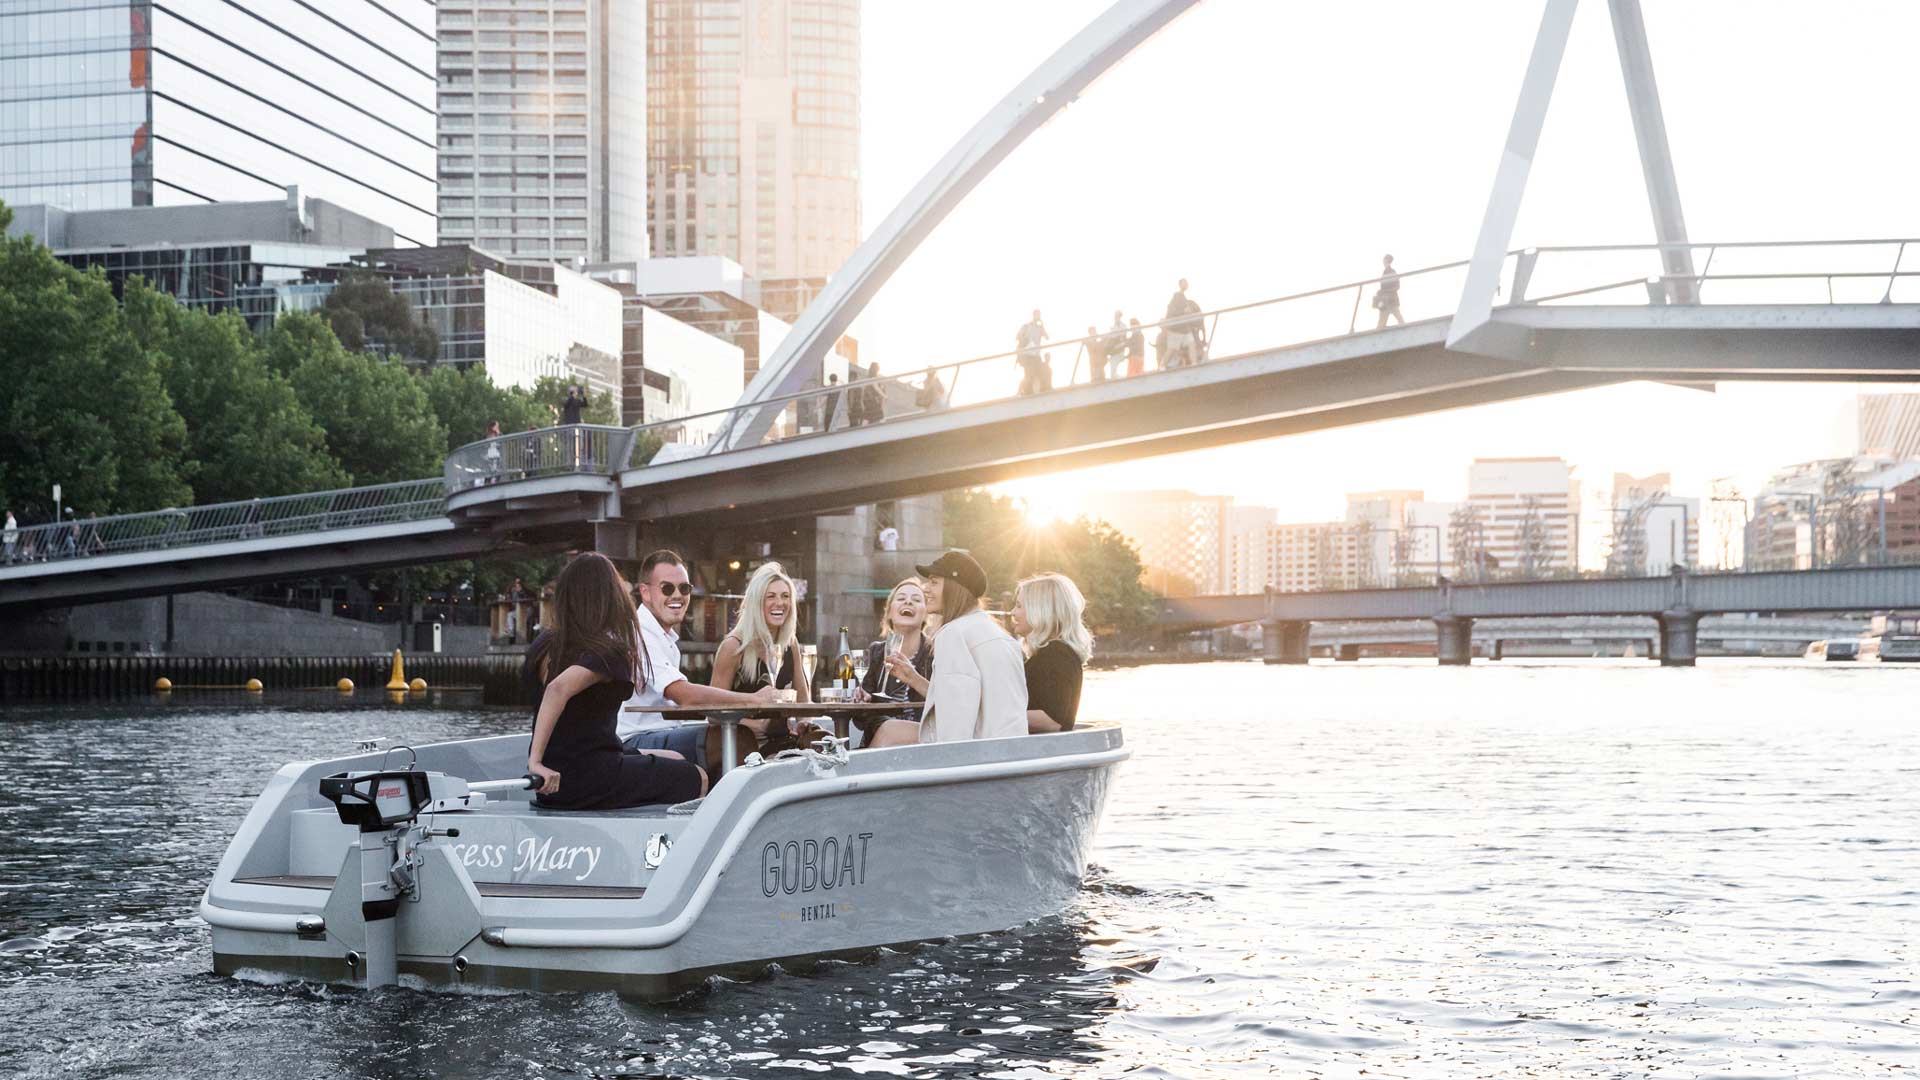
(778, 864)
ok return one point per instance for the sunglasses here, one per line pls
(668, 588)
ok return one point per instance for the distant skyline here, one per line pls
(1312, 140)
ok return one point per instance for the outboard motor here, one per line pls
(385, 806)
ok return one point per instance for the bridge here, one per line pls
(1677, 604)
(1503, 324)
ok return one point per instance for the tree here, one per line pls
(379, 424)
(466, 400)
(1099, 559)
(248, 436)
(81, 403)
(368, 316)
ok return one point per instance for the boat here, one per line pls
(1896, 637)
(1834, 649)
(441, 872)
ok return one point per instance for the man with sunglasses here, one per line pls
(664, 596)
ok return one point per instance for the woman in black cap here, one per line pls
(979, 685)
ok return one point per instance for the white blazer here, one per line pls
(979, 684)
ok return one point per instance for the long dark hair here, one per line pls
(592, 613)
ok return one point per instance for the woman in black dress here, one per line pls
(584, 666)
(1049, 618)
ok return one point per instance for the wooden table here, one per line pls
(728, 717)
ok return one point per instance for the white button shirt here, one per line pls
(660, 664)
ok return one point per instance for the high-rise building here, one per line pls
(1527, 511)
(1314, 556)
(1834, 512)
(754, 136)
(1248, 541)
(543, 127)
(1890, 425)
(1378, 519)
(1651, 530)
(1181, 536)
(124, 103)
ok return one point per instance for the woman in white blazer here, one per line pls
(979, 685)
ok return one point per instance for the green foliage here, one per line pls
(995, 530)
(80, 402)
(466, 400)
(552, 390)
(379, 424)
(248, 435)
(366, 315)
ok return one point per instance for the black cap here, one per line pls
(958, 566)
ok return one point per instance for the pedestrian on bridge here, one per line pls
(1386, 299)
(1116, 345)
(10, 536)
(1136, 349)
(829, 402)
(1183, 329)
(1096, 347)
(1028, 340)
(875, 394)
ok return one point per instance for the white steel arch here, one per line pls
(1052, 86)
(1119, 30)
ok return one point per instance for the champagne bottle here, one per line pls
(843, 674)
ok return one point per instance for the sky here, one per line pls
(1260, 148)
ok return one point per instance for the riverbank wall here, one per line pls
(206, 624)
(25, 679)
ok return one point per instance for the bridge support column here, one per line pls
(1499, 650)
(1284, 642)
(1456, 640)
(1679, 638)
(615, 539)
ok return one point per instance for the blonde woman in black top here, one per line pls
(903, 678)
(1049, 618)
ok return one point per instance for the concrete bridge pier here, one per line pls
(1284, 642)
(615, 539)
(1456, 639)
(1679, 638)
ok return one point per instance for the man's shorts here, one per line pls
(688, 740)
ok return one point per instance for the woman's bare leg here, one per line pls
(895, 733)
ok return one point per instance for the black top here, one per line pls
(570, 412)
(784, 681)
(877, 670)
(1053, 682)
(596, 773)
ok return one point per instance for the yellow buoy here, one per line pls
(399, 680)
(255, 685)
(345, 686)
(418, 685)
(163, 684)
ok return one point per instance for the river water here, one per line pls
(1588, 869)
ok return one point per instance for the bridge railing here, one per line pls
(253, 519)
(1875, 271)
(1843, 271)
(570, 449)
(1168, 344)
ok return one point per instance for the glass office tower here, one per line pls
(755, 132)
(543, 127)
(107, 104)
